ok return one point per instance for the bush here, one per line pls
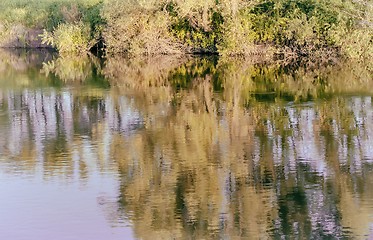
(61, 19)
(197, 24)
(70, 37)
(153, 27)
(306, 28)
(354, 34)
(41, 13)
(137, 28)
(238, 38)
(319, 30)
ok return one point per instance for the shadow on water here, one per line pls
(205, 147)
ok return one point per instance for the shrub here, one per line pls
(354, 34)
(238, 38)
(305, 28)
(59, 18)
(41, 13)
(138, 27)
(70, 37)
(197, 24)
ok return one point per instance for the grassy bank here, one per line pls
(317, 29)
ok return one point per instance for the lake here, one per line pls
(183, 148)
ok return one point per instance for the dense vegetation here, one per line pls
(69, 26)
(304, 28)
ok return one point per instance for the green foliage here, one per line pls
(92, 16)
(317, 29)
(40, 13)
(198, 25)
(138, 27)
(197, 39)
(354, 34)
(76, 27)
(238, 38)
(153, 27)
(295, 24)
(306, 28)
(70, 37)
(303, 28)
(69, 25)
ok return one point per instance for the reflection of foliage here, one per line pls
(208, 159)
(72, 69)
(183, 76)
(248, 80)
(143, 73)
(23, 66)
(209, 168)
(292, 83)
(196, 163)
(138, 72)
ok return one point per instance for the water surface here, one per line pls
(183, 148)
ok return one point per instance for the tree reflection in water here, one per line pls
(206, 148)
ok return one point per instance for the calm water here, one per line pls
(168, 148)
